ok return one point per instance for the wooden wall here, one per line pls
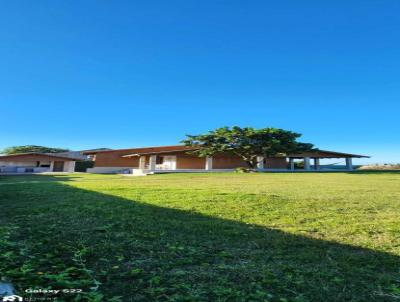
(183, 161)
(228, 161)
(115, 159)
(187, 161)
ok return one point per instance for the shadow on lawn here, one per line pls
(73, 238)
(362, 172)
(354, 172)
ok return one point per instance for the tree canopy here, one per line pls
(32, 148)
(248, 143)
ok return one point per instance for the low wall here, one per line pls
(106, 170)
(24, 169)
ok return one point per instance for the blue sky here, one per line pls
(88, 74)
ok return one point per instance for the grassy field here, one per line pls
(203, 237)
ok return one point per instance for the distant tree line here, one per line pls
(31, 148)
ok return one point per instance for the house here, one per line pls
(37, 163)
(163, 159)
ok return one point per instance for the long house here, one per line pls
(150, 160)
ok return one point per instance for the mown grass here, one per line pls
(204, 237)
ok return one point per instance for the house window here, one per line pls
(159, 160)
(45, 164)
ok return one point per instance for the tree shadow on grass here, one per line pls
(35, 177)
(59, 236)
(383, 172)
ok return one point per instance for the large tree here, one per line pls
(248, 143)
(32, 148)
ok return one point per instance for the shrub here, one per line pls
(81, 166)
(242, 170)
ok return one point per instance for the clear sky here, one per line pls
(89, 74)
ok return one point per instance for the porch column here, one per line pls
(307, 163)
(142, 162)
(316, 163)
(51, 166)
(209, 163)
(260, 162)
(291, 163)
(349, 163)
(152, 163)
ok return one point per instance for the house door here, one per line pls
(58, 166)
(169, 162)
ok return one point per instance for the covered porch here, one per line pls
(311, 161)
(167, 162)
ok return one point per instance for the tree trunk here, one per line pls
(250, 164)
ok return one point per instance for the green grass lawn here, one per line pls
(203, 237)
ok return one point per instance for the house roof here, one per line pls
(93, 151)
(315, 153)
(159, 152)
(149, 150)
(35, 155)
(132, 152)
(326, 153)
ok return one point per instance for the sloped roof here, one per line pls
(315, 153)
(326, 153)
(36, 154)
(158, 152)
(132, 152)
(90, 151)
(145, 149)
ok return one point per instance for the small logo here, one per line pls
(12, 298)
